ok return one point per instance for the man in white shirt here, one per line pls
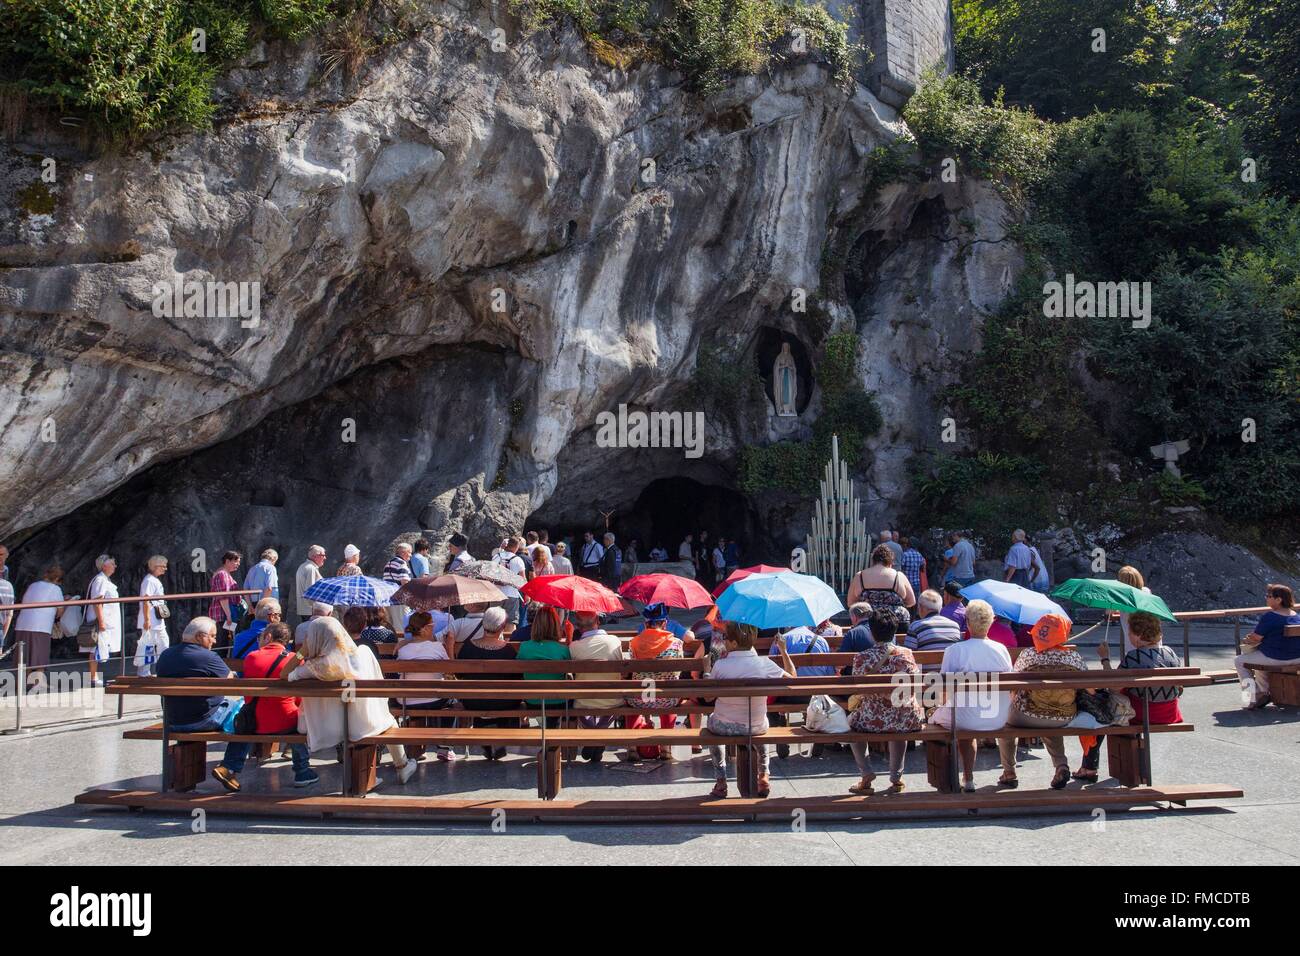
(307, 575)
(742, 716)
(561, 561)
(1019, 562)
(977, 657)
(592, 643)
(509, 559)
(590, 556)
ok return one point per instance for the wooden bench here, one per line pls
(184, 764)
(1283, 678)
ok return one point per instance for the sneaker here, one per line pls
(407, 770)
(783, 751)
(1260, 702)
(444, 755)
(306, 779)
(226, 778)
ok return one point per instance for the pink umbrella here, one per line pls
(572, 593)
(670, 589)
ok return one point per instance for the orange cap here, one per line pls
(1052, 630)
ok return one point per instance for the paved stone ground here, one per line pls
(1256, 751)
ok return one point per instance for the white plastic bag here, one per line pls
(824, 716)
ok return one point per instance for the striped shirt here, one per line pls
(935, 632)
(1152, 657)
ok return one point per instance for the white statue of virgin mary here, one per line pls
(785, 383)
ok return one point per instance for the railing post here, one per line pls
(21, 690)
(166, 746)
(347, 751)
(1187, 644)
(1146, 736)
(121, 698)
(1236, 633)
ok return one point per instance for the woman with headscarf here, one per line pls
(897, 712)
(329, 654)
(1043, 709)
(1148, 652)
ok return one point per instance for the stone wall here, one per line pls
(907, 37)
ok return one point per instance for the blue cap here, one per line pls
(655, 612)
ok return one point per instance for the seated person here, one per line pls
(266, 612)
(974, 709)
(896, 712)
(1149, 652)
(318, 610)
(493, 644)
(1043, 708)
(742, 716)
(1003, 631)
(931, 631)
(801, 640)
(858, 637)
(591, 642)
(424, 645)
(954, 605)
(1268, 644)
(193, 657)
(376, 631)
(273, 715)
(544, 644)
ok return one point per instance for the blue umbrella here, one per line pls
(780, 599)
(351, 590)
(1012, 601)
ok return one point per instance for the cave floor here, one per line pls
(1255, 751)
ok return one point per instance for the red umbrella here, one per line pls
(742, 573)
(571, 593)
(670, 589)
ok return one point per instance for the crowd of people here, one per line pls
(893, 610)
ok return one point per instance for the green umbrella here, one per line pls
(1112, 596)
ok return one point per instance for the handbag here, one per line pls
(245, 721)
(824, 716)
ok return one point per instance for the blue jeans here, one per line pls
(211, 723)
(237, 753)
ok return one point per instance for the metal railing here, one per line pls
(22, 669)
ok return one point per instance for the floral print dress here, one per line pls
(876, 713)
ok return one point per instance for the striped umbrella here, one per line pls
(352, 590)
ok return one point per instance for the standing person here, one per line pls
(541, 565)
(743, 716)
(226, 611)
(590, 556)
(960, 560)
(351, 566)
(719, 559)
(733, 558)
(458, 548)
(107, 617)
(398, 571)
(880, 585)
(611, 564)
(271, 715)
(704, 561)
(1019, 562)
(6, 597)
(151, 618)
(35, 624)
(887, 539)
(912, 563)
(1266, 644)
(1040, 580)
(263, 577)
(630, 553)
(420, 562)
(510, 559)
(686, 552)
(979, 656)
(591, 642)
(561, 560)
(307, 575)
